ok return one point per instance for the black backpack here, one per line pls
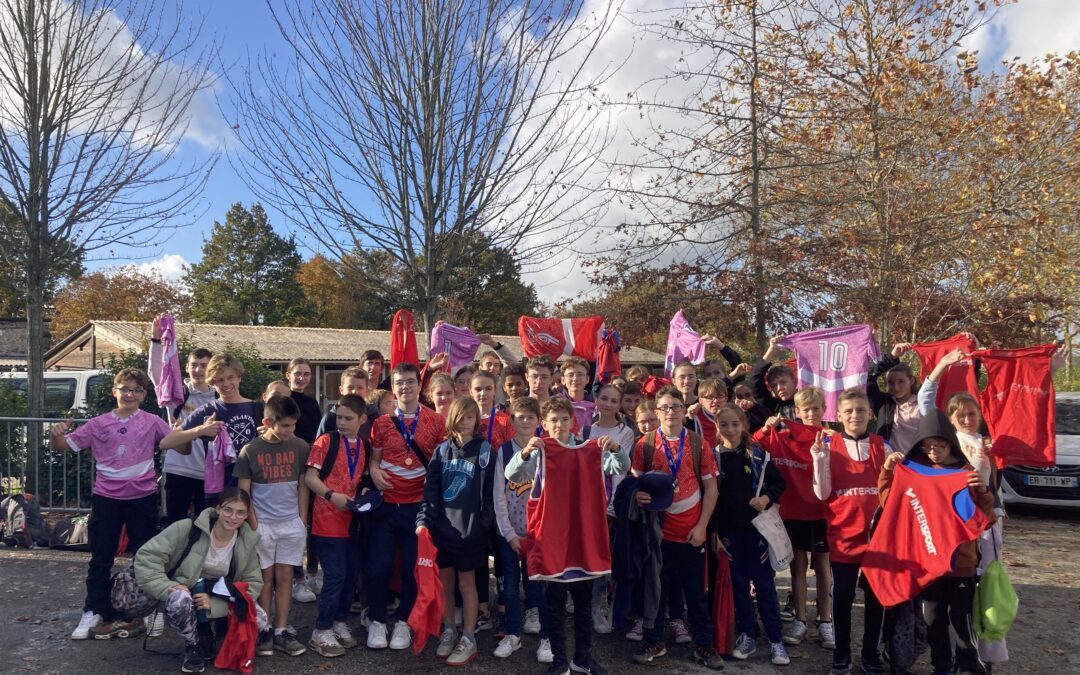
(70, 534)
(23, 524)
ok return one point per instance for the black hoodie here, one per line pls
(459, 505)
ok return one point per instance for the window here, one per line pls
(60, 393)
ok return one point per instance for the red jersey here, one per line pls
(1018, 404)
(854, 499)
(928, 513)
(348, 469)
(959, 377)
(566, 513)
(685, 509)
(790, 450)
(705, 425)
(497, 429)
(404, 470)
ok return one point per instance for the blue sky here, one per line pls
(245, 28)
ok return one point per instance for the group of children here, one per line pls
(557, 483)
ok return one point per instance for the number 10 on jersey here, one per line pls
(833, 355)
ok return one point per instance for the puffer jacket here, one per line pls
(157, 556)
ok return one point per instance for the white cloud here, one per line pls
(170, 266)
(1029, 29)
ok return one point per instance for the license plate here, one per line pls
(1052, 481)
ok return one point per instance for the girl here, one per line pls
(897, 409)
(458, 508)
(638, 374)
(462, 377)
(742, 463)
(384, 399)
(440, 392)
(225, 542)
(946, 601)
(279, 387)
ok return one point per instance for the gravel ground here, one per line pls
(40, 592)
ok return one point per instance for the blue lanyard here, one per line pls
(354, 458)
(676, 462)
(399, 420)
(491, 424)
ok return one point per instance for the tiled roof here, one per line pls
(325, 345)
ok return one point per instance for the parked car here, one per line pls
(1057, 485)
(64, 389)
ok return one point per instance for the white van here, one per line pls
(64, 389)
(1057, 485)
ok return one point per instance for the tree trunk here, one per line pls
(35, 340)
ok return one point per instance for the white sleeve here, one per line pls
(502, 513)
(822, 476)
(927, 396)
(505, 355)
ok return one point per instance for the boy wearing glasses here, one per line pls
(678, 452)
(125, 494)
(402, 443)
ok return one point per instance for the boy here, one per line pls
(402, 443)
(513, 384)
(631, 397)
(802, 513)
(846, 471)
(713, 396)
(125, 493)
(685, 379)
(679, 452)
(510, 500)
(774, 385)
(372, 362)
(538, 373)
(270, 469)
(577, 581)
(575, 378)
(332, 519)
(353, 381)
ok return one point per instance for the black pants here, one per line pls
(947, 601)
(845, 580)
(107, 518)
(181, 495)
(581, 592)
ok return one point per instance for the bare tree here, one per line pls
(409, 126)
(94, 100)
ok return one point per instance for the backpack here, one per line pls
(70, 534)
(995, 605)
(332, 453)
(125, 595)
(23, 524)
(695, 453)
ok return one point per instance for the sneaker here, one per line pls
(637, 633)
(787, 613)
(155, 624)
(301, 592)
(795, 632)
(463, 653)
(778, 654)
(708, 657)
(86, 622)
(649, 653)
(682, 635)
(532, 621)
(601, 622)
(841, 667)
(287, 642)
(344, 635)
(544, 653)
(507, 646)
(446, 643)
(745, 646)
(558, 669)
(194, 662)
(827, 634)
(118, 628)
(376, 635)
(325, 644)
(265, 645)
(315, 582)
(402, 638)
(590, 668)
(484, 622)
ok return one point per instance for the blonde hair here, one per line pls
(807, 396)
(852, 394)
(711, 388)
(461, 407)
(959, 399)
(222, 362)
(375, 396)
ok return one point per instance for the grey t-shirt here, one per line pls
(275, 470)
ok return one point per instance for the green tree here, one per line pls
(247, 274)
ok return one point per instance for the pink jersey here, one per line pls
(460, 343)
(683, 342)
(123, 451)
(833, 359)
(170, 384)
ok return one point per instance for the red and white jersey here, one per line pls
(960, 376)
(404, 469)
(1018, 404)
(685, 509)
(833, 359)
(790, 450)
(497, 429)
(560, 337)
(853, 497)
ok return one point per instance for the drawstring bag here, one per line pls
(996, 604)
(771, 528)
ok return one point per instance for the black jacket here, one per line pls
(762, 395)
(738, 485)
(458, 505)
(883, 405)
(310, 416)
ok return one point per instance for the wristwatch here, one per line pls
(498, 346)
(328, 494)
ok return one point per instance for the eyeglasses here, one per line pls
(127, 391)
(234, 513)
(402, 384)
(670, 408)
(936, 447)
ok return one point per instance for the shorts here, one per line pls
(470, 557)
(807, 535)
(281, 543)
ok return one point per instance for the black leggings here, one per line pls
(947, 601)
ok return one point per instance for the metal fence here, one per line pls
(61, 480)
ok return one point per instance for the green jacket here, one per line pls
(158, 555)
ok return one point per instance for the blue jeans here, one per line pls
(513, 569)
(749, 553)
(684, 571)
(391, 524)
(339, 579)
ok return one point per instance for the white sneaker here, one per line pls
(601, 620)
(88, 621)
(544, 653)
(376, 635)
(447, 640)
(532, 621)
(402, 637)
(344, 635)
(507, 646)
(301, 592)
(155, 624)
(326, 644)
